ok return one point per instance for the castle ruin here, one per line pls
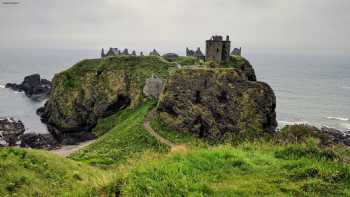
(197, 54)
(218, 50)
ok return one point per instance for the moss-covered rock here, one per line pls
(214, 102)
(97, 88)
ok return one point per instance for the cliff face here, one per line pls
(214, 102)
(96, 88)
(208, 100)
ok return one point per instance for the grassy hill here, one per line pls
(127, 139)
(25, 172)
(128, 161)
(247, 170)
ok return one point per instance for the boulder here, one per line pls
(213, 103)
(39, 141)
(10, 131)
(32, 85)
(153, 87)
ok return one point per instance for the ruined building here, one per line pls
(125, 52)
(218, 49)
(116, 52)
(197, 54)
(154, 53)
(237, 51)
(189, 52)
(110, 52)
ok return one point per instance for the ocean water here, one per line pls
(15, 65)
(309, 89)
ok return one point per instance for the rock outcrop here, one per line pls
(335, 136)
(153, 87)
(39, 141)
(10, 132)
(216, 102)
(33, 86)
(243, 65)
(93, 89)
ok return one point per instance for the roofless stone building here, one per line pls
(218, 49)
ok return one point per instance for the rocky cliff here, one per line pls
(209, 100)
(97, 88)
(214, 102)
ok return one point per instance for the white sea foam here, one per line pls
(2, 86)
(282, 122)
(338, 118)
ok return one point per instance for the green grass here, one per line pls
(175, 136)
(138, 68)
(25, 172)
(187, 61)
(259, 169)
(126, 140)
(129, 161)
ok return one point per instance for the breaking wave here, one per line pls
(281, 122)
(338, 118)
(2, 86)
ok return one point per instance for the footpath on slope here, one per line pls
(147, 125)
(65, 151)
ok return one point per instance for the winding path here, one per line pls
(147, 125)
(65, 151)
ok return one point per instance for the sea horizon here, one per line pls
(310, 89)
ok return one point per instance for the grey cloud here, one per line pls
(277, 25)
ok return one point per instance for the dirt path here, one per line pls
(65, 151)
(147, 125)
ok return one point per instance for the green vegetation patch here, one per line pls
(25, 172)
(175, 136)
(187, 61)
(246, 170)
(126, 140)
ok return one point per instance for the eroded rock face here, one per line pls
(96, 88)
(214, 102)
(32, 85)
(39, 141)
(10, 132)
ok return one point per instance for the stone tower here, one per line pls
(218, 49)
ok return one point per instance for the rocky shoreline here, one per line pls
(12, 133)
(33, 86)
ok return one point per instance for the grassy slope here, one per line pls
(139, 166)
(127, 139)
(25, 172)
(247, 170)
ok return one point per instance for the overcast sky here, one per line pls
(284, 26)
